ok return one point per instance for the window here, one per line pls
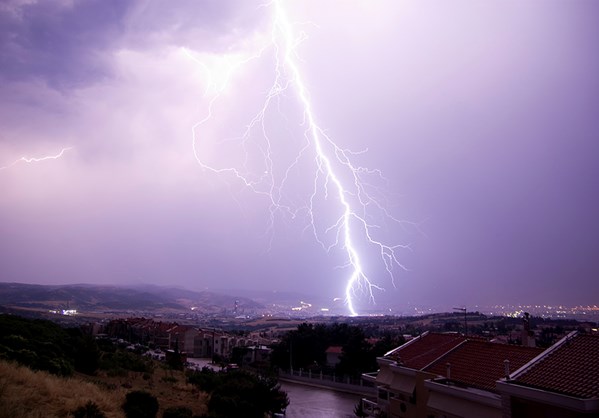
(383, 394)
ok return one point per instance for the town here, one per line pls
(501, 361)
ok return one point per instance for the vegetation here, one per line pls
(239, 394)
(43, 345)
(118, 362)
(306, 348)
(89, 410)
(27, 393)
(140, 404)
(96, 369)
(177, 412)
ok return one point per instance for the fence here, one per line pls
(332, 381)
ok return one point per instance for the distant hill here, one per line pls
(98, 298)
(269, 297)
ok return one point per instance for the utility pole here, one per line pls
(465, 319)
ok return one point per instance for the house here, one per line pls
(255, 354)
(333, 355)
(445, 375)
(561, 382)
(184, 336)
(401, 376)
(469, 372)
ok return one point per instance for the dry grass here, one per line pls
(169, 386)
(28, 394)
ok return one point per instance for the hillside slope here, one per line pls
(99, 298)
(28, 394)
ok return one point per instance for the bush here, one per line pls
(87, 355)
(241, 394)
(121, 360)
(43, 345)
(140, 404)
(89, 410)
(206, 379)
(177, 412)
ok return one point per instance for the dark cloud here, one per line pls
(62, 44)
(69, 44)
(483, 119)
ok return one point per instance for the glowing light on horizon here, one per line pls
(335, 178)
(30, 160)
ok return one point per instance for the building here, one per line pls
(450, 376)
(192, 341)
(400, 379)
(561, 382)
(444, 375)
(256, 354)
(184, 337)
(466, 386)
(333, 355)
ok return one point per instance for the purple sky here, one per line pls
(482, 116)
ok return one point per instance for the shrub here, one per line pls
(242, 394)
(177, 412)
(89, 410)
(140, 404)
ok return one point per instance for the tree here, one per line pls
(238, 354)
(87, 354)
(357, 356)
(174, 358)
(387, 343)
(241, 394)
(206, 379)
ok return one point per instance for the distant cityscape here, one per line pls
(578, 312)
(305, 310)
(180, 304)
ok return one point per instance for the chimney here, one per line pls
(506, 365)
(528, 337)
(448, 371)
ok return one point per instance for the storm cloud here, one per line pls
(481, 116)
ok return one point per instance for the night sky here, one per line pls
(473, 126)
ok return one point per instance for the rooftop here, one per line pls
(423, 350)
(571, 368)
(334, 349)
(479, 364)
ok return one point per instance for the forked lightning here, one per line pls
(334, 179)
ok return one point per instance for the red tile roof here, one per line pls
(180, 328)
(422, 351)
(480, 364)
(572, 368)
(334, 349)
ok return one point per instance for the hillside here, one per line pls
(28, 394)
(101, 298)
(25, 393)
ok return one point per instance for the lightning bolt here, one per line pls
(335, 178)
(30, 160)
